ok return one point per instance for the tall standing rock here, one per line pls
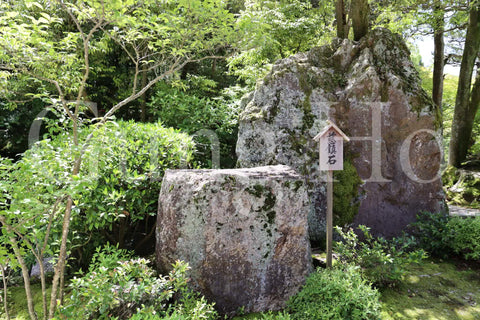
(372, 91)
(244, 233)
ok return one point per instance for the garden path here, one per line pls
(463, 212)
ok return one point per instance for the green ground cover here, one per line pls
(433, 290)
(17, 302)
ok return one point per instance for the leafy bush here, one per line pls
(127, 161)
(432, 233)
(335, 294)
(117, 286)
(191, 113)
(115, 193)
(382, 262)
(465, 236)
(189, 307)
(442, 235)
(275, 316)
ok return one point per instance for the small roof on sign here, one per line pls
(328, 127)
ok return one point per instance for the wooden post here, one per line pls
(331, 158)
(329, 217)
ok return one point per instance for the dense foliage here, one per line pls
(431, 233)
(277, 29)
(203, 117)
(118, 286)
(116, 191)
(338, 293)
(49, 51)
(128, 160)
(381, 261)
(446, 236)
(465, 233)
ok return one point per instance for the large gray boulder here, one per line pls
(244, 233)
(372, 91)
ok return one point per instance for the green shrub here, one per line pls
(127, 161)
(191, 113)
(115, 193)
(120, 287)
(115, 286)
(335, 294)
(442, 235)
(465, 236)
(192, 307)
(275, 316)
(381, 261)
(432, 233)
(146, 313)
(195, 309)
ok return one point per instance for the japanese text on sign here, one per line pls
(331, 151)
(332, 148)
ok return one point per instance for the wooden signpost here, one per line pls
(331, 158)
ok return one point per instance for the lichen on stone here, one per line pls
(247, 230)
(347, 82)
(256, 190)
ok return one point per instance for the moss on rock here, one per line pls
(345, 194)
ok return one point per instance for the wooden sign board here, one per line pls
(331, 147)
(331, 158)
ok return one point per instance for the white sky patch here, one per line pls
(426, 47)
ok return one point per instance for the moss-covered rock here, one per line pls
(350, 83)
(243, 232)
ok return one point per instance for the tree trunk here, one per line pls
(438, 55)
(359, 11)
(23, 266)
(44, 286)
(5, 286)
(341, 17)
(62, 257)
(464, 110)
(143, 102)
(62, 287)
(26, 278)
